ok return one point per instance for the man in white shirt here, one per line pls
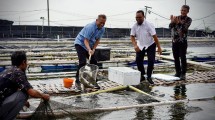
(146, 41)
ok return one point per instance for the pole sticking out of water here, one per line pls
(140, 91)
(48, 12)
(58, 38)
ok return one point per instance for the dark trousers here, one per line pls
(151, 59)
(179, 54)
(83, 55)
(12, 105)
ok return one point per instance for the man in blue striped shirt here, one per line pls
(86, 42)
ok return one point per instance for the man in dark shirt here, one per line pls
(179, 27)
(15, 88)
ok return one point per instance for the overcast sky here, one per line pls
(120, 13)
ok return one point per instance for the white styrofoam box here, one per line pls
(165, 77)
(124, 75)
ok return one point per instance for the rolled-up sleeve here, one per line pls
(133, 31)
(152, 29)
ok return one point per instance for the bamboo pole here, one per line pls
(97, 110)
(142, 92)
(100, 91)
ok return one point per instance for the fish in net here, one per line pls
(88, 75)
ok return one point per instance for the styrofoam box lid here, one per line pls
(123, 69)
(165, 77)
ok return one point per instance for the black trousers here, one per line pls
(83, 55)
(151, 59)
(179, 53)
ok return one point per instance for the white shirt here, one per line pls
(143, 34)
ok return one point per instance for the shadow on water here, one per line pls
(180, 92)
(147, 113)
(178, 111)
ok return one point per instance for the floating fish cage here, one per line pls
(53, 68)
(121, 55)
(203, 58)
(145, 62)
(2, 69)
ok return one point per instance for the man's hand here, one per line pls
(172, 19)
(91, 52)
(159, 50)
(45, 97)
(136, 48)
(177, 20)
(27, 104)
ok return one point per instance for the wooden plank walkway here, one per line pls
(195, 77)
(56, 87)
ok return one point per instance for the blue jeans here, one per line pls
(151, 59)
(12, 105)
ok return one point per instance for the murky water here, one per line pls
(189, 110)
(183, 91)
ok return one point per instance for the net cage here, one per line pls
(88, 106)
(88, 75)
(93, 106)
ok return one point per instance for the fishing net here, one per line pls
(96, 106)
(43, 112)
(85, 106)
(88, 74)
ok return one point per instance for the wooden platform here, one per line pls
(56, 87)
(196, 77)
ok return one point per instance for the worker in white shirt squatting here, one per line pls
(146, 41)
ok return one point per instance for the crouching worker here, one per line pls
(15, 88)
